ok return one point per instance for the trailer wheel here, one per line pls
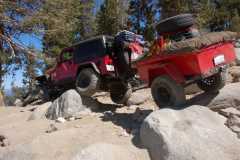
(87, 82)
(167, 93)
(213, 83)
(120, 92)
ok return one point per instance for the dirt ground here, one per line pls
(47, 140)
(112, 124)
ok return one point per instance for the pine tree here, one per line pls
(219, 15)
(62, 23)
(112, 17)
(171, 8)
(142, 16)
(12, 14)
(30, 72)
(235, 25)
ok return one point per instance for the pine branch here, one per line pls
(14, 46)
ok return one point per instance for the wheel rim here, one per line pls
(84, 81)
(209, 81)
(118, 94)
(164, 96)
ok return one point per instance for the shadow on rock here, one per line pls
(129, 122)
(97, 106)
(203, 99)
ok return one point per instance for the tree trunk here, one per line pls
(1, 68)
(1, 49)
(1, 100)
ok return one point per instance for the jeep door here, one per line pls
(65, 71)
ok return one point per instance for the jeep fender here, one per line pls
(88, 65)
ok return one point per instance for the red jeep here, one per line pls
(96, 64)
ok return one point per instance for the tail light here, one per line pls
(107, 60)
(109, 63)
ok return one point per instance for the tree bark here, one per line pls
(1, 70)
(1, 49)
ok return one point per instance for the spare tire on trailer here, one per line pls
(175, 23)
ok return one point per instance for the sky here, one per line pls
(27, 40)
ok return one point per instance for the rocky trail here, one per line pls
(79, 128)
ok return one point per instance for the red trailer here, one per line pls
(168, 74)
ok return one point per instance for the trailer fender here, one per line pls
(166, 69)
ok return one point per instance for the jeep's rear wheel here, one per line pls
(87, 82)
(120, 92)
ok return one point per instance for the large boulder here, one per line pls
(192, 89)
(40, 111)
(226, 103)
(191, 133)
(237, 51)
(227, 97)
(18, 103)
(104, 151)
(21, 153)
(234, 71)
(139, 97)
(69, 104)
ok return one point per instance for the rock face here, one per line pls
(40, 111)
(228, 97)
(235, 73)
(103, 151)
(16, 155)
(18, 103)
(139, 97)
(192, 133)
(1, 100)
(69, 104)
(192, 89)
(237, 51)
(227, 103)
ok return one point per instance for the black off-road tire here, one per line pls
(175, 23)
(214, 83)
(167, 93)
(120, 92)
(45, 96)
(87, 82)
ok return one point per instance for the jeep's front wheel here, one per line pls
(87, 82)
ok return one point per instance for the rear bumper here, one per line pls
(206, 58)
(215, 70)
(211, 72)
